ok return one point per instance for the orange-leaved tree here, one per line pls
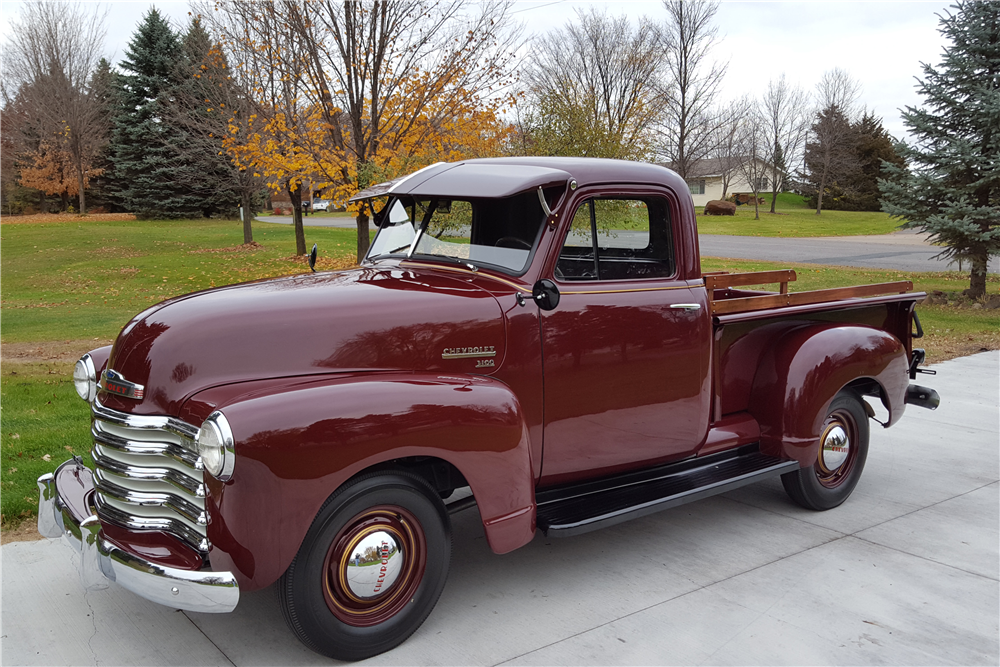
(379, 88)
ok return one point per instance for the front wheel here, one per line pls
(842, 453)
(371, 567)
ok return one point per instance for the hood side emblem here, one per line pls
(115, 383)
(469, 352)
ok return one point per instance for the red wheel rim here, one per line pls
(374, 566)
(838, 450)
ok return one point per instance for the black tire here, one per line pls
(824, 485)
(393, 523)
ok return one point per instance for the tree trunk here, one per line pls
(756, 205)
(363, 235)
(819, 195)
(300, 235)
(247, 218)
(977, 277)
(83, 196)
(774, 188)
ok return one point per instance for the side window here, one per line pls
(618, 239)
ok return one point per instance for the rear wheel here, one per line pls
(370, 569)
(829, 481)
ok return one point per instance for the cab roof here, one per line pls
(504, 177)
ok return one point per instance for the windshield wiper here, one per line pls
(449, 259)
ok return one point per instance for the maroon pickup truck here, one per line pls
(534, 333)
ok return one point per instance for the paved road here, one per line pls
(903, 251)
(906, 572)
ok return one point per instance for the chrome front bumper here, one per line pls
(102, 561)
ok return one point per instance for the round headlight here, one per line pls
(85, 378)
(216, 446)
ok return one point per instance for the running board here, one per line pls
(580, 508)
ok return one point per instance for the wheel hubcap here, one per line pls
(836, 447)
(374, 566)
(837, 454)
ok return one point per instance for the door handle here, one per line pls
(686, 306)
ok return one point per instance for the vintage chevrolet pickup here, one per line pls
(537, 331)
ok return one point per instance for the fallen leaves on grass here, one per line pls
(64, 217)
(253, 246)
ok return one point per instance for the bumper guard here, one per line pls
(102, 561)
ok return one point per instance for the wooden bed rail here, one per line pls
(766, 301)
(714, 281)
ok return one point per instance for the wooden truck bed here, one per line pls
(725, 300)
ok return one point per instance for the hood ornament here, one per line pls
(113, 382)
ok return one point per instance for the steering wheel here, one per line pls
(512, 242)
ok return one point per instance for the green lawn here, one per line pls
(793, 218)
(86, 280)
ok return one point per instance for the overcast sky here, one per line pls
(881, 44)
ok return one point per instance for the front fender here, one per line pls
(295, 445)
(805, 368)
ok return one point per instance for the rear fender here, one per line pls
(295, 445)
(805, 368)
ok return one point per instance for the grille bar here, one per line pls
(176, 452)
(148, 475)
(185, 508)
(167, 525)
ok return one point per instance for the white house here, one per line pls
(706, 184)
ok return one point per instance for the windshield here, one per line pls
(499, 233)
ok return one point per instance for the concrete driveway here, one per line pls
(906, 572)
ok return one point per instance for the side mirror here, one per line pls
(312, 259)
(546, 294)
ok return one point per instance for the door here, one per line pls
(626, 351)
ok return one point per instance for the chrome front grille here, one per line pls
(148, 475)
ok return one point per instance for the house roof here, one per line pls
(706, 168)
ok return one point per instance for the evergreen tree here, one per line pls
(873, 147)
(145, 164)
(952, 189)
(829, 157)
(103, 85)
(203, 168)
(855, 187)
(205, 107)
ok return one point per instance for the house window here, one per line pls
(762, 183)
(697, 187)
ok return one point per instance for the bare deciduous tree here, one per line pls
(726, 136)
(755, 145)
(593, 87)
(688, 37)
(267, 63)
(836, 88)
(48, 61)
(785, 111)
(830, 151)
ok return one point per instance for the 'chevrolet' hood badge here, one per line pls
(115, 383)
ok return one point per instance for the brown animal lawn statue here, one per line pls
(718, 207)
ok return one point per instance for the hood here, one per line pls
(363, 319)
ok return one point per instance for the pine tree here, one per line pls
(204, 169)
(145, 165)
(830, 155)
(855, 188)
(952, 188)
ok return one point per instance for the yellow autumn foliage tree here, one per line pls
(351, 93)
